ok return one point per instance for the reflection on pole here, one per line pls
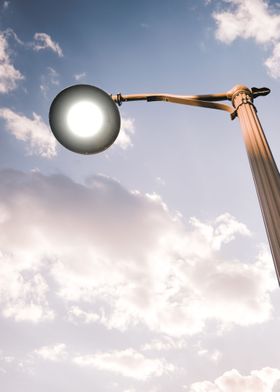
(264, 170)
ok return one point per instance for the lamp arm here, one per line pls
(180, 99)
(206, 101)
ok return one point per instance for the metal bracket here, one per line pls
(117, 98)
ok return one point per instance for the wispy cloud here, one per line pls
(23, 300)
(50, 78)
(212, 355)
(41, 41)
(266, 379)
(56, 352)
(79, 76)
(6, 4)
(222, 231)
(11, 33)
(78, 314)
(33, 131)
(160, 181)
(128, 363)
(251, 19)
(9, 75)
(127, 130)
(273, 62)
(166, 343)
(44, 41)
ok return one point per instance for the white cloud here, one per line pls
(215, 355)
(76, 313)
(8, 359)
(41, 41)
(6, 362)
(223, 231)
(251, 19)
(264, 380)
(121, 258)
(273, 62)
(6, 4)
(33, 131)
(11, 33)
(9, 75)
(127, 363)
(166, 343)
(160, 181)
(50, 78)
(44, 41)
(22, 298)
(127, 130)
(248, 19)
(80, 76)
(56, 352)
(212, 355)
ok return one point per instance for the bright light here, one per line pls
(85, 119)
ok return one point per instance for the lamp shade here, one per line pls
(84, 119)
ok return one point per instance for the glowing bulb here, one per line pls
(85, 119)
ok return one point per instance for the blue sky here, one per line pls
(146, 266)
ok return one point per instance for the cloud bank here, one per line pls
(120, 258)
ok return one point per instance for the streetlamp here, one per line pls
(86, 120)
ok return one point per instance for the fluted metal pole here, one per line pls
(264, 170)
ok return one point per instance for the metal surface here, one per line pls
(264, 170)
(206, 100)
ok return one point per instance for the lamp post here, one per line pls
(85, 119)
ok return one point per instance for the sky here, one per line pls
(147, 266)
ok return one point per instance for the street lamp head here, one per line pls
(84, 119)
